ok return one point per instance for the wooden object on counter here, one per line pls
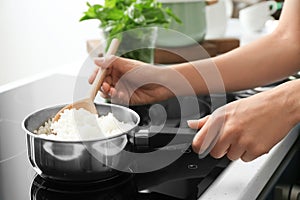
(210, 2)
(225, 44)
(169, 55)
(163, 55)
(210, 48)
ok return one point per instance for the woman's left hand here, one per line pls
(247, 128)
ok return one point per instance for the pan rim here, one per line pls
(29, 133)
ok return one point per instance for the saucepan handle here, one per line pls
(159, 137)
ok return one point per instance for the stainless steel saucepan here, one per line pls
(96, 159)
(82, 161)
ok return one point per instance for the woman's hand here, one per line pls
(250, 127)
(130, 81)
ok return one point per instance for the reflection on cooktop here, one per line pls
(121, 187)
(10, 134)
(185, 179)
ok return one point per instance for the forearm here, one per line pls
(266, 60)
(246, 67)
(294, 99)
(286, 97)
(273, 57)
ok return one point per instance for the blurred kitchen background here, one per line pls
(240, 4)
(37, 36)
(41, 35)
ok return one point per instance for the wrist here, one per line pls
(194, 77)
(172, 80)
(289, 100)
(165, 78)
(294, 100)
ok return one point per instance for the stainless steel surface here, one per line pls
(88, 160)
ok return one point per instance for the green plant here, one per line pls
(118, 16)
(121, 15)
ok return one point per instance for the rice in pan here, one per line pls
(77, 125)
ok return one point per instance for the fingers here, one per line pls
(108, 91)
(199, 139)
(114, 96)
(247, 157)
(106, 85)
(93, 75)
(112, 88)
(218, 137)
(105, 88)
(104, 62)
(235, 152)
(197, 124)
(99, 61)
(208, 135)
(221, 147)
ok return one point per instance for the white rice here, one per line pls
(78, 125)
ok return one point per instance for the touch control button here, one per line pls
(192, 166)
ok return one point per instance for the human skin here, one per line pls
(248, 128)
(251, 126)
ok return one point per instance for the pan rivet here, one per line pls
(192, 166)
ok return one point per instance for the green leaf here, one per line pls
(117, 16)
(111, 14)
(91, 13)
(135, 14)
(110, 3)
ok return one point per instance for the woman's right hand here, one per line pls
(130, 81)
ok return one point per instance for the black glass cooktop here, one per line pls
(186, 178)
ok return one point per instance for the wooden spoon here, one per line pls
(88, 103)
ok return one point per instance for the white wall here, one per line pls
(38, 35)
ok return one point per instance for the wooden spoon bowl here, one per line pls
(88, 103)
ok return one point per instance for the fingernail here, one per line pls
(192, 120)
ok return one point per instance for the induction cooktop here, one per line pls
(186, 178)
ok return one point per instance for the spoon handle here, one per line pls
(113, 47)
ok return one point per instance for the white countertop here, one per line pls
(240, 180)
